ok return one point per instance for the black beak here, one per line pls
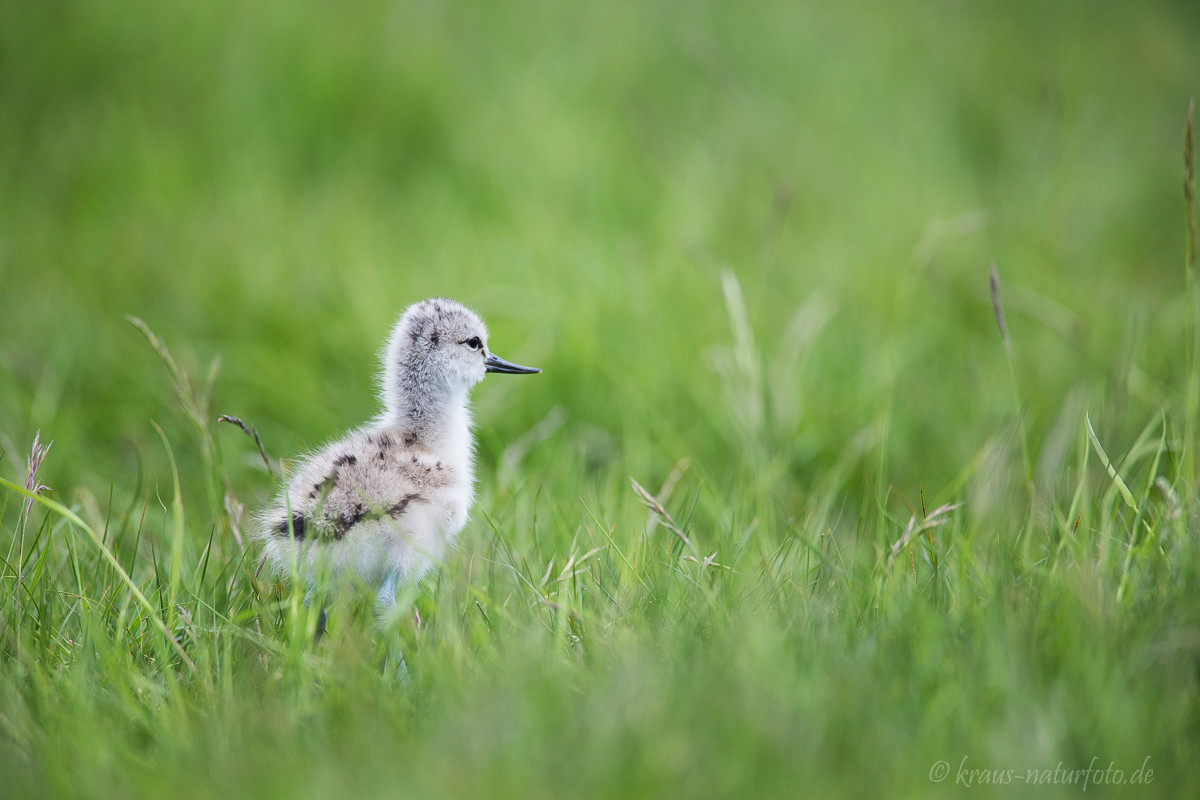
(497, 364)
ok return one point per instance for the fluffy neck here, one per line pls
(437, 421)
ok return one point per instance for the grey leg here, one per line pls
(385, 599)
(385, 615)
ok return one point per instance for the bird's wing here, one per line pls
(348, 482)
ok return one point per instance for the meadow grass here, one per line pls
(801, 505)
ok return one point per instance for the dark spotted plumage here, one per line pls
(397, 509)
(297, 525)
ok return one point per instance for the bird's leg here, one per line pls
(322, 618)
(385, 599)
(385, 616)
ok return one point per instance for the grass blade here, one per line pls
(1108, 465)
(78, 522)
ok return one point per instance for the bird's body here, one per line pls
(370, 504)
(386, 501)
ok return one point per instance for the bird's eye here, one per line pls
(473, 343)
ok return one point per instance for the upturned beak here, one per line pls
(497, 364)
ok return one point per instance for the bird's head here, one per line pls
(439, 348)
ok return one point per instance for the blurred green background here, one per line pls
(270, 186)
(613, 185)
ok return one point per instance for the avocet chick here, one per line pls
(385, 501)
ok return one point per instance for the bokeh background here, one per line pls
(747, 242)
(270, 185)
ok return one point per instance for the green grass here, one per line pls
(749, 245)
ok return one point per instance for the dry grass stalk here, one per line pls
(998, 306)
(1189, 183)
(664, 517)
(252, 432)
(194, 404)
(936, 519)
(37, 454)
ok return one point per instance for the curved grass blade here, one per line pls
(1108, 465)
(78, 522)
